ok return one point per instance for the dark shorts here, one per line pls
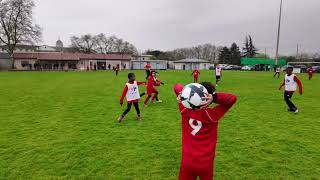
(218, 77)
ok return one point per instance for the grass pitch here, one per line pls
(63, 125)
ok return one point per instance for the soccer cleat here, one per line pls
(159, 101)
(138, 118)
(120, 118)
(296, 111)
(144, 105)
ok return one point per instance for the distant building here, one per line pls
(5, 62)
(142, 57)
(22, 48)
(67, 61)
(189, 64)
(155, 64)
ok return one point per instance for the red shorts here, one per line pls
(189, 172)
(151, 90)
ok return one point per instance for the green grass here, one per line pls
(62, 125)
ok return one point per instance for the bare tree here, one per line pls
(16, 24)
(86, 43)
(113, 44)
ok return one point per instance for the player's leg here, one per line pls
(278, 75)
(147, 99)
(186, 173)
(155, 95)
(287, 97)
(207, 173)
(136, 106)
(274, 75)
(125, 112)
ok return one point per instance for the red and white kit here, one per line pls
(199, 136)
(131, 92)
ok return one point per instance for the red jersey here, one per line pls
(195, 73)
(148, 67)
(310, 71)
(125, 90)
(200, 129)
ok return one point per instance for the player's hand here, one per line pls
(209, 99)
(179, 98)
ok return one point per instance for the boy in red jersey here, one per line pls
(199, 133)
(131, 92)
(310, 72)
(152, 82)
(147, 67)
(290, 82)
(195, 74)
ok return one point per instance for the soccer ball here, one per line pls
(192, 96)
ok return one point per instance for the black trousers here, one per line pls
(276, 74)
(136, 106)
(148, 73)
(287, 97)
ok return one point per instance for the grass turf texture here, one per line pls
(64, 125)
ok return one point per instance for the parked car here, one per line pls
(316, 69)
(236, 67)
(247, 68)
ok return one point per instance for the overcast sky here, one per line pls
(169, 24)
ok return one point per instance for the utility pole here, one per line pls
(278, 37)
(297, 52)
(265, 53)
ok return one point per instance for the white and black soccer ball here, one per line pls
(192, 96)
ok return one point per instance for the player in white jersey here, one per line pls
(290, 83)
(218, 73)
(131, 92)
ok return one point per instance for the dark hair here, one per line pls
(209, 86)
(290, 67)
(130, 75)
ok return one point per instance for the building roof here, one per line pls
(70, 56)
(191, 61)
(136, 60)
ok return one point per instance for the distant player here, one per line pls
(148, 67)
(200, 133)
(218, 72)
(116, 69)
(195, 74)
(310, 72)
(131, 92)
(277, 72)
(152, 82)
(290, 82)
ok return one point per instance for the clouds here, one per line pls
(168, 24)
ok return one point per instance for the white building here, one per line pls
(155, 64)
(190, 64)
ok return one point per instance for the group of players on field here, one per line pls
(199, 127)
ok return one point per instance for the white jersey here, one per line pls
(277, 69)
(218, 71)
(133, 91)
(290, 84)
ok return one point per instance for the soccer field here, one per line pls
(64, 125)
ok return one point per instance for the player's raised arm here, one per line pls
(225, 101)
(141, 83)
(177, 90)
